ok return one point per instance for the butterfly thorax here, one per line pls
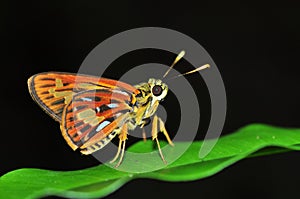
(147, 101)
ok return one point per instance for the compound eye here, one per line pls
(157, 90)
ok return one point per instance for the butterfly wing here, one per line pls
(92, 118)
(54, 90)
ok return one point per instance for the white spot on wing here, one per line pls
(86, 99)
(102, 125)
(118, 114)
(120, 92)
(114, 105)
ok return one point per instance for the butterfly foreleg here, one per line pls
(155, 123)
(162, 129)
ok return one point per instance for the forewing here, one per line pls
(94, 117)
(54, 90)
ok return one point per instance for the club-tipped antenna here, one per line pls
(179, 56)
(192, 71)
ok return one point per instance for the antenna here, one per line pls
(179, 56)
(193, 71)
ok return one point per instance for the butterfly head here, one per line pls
(158, 89)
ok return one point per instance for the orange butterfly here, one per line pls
(92, 111)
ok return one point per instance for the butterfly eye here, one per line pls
(157, 90)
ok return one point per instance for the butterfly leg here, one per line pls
(144, 135)
(154, 136)
(146, 121)
(162, 128)
(121, 148)
(118, 152)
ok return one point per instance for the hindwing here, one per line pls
(92, 118)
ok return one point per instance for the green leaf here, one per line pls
(253, 140)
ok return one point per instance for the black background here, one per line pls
(255, 46)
